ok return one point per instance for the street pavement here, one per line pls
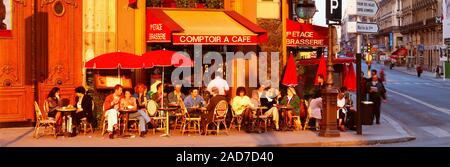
(420, 105)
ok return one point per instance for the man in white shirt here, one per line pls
(220, 83)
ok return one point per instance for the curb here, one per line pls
(345, 143)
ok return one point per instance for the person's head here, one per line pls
(177, 88)
(194, 92)
(343, 89)
(215, 91)
(241, 91)
(320, 79)
(54, 92)
(159, 87)
(140, 89)
(291, 91)
(80, 91)
(261, 87)
(118, 90)
(128, 93)
(373, 74)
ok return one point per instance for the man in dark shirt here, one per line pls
(215, 99)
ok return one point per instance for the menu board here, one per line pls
(108, 82)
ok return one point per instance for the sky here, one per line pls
(319, 17)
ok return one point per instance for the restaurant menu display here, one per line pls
(108, 82)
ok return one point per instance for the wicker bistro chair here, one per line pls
(261, 118)
(220, 114)
(157, 117)
(236, 118)
(41, 121)
(188, 121)
(84, 123)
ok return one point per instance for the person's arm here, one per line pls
(108, 103)
(211, 105)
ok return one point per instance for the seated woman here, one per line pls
(273, 97)
(342, 110)
(84, 106)
(241, 105)
(130, 102)
(52, 102)
(292, 100)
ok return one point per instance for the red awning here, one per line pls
(308, 35)
(316, 61)
(201, 26)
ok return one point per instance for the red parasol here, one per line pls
(350, 79)
(115, 60)
(290, 74)
(165, 58)
(321, 70)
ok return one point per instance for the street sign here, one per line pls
(334, 10)
(355, 27)
(362, 7)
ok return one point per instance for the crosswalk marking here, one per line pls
(435, 131)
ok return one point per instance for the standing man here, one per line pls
(111, 109)
(215, 99)
(220, 83)
(377, 93)
(438, 72)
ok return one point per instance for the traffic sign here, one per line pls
(333, 11)
(362, 7)
(355, 27)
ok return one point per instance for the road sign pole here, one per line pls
(358, 82)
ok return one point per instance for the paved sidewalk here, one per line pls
(387, 132)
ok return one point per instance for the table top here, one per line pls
(127, 110)
(197, 108)
(261, 108)
(66, 109)
(167, 109)
(284, 107)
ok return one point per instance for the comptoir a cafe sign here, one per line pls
(181, 39)
(306, 35)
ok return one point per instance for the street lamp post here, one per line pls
(305, 9)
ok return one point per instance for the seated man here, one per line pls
(208, 117)
(194, 101)
(176, 96)
(130, 102)
(158, 96)
(111, 109)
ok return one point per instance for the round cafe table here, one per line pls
(166, 112)
(126, 112)
(66, 112)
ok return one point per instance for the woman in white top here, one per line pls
(315, 109)
(341, 112)
(241, 105)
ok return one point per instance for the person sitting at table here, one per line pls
(111, 109)
(342, 110)
(140, 93)
(315, 109)
(273, 98)
(176, 97)
(259, 93)
(84, 106)
(159, 95)
(194, 101)
(130, 103)
(53, 101)
(242, 105)
(208, 117)
(291, 100)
